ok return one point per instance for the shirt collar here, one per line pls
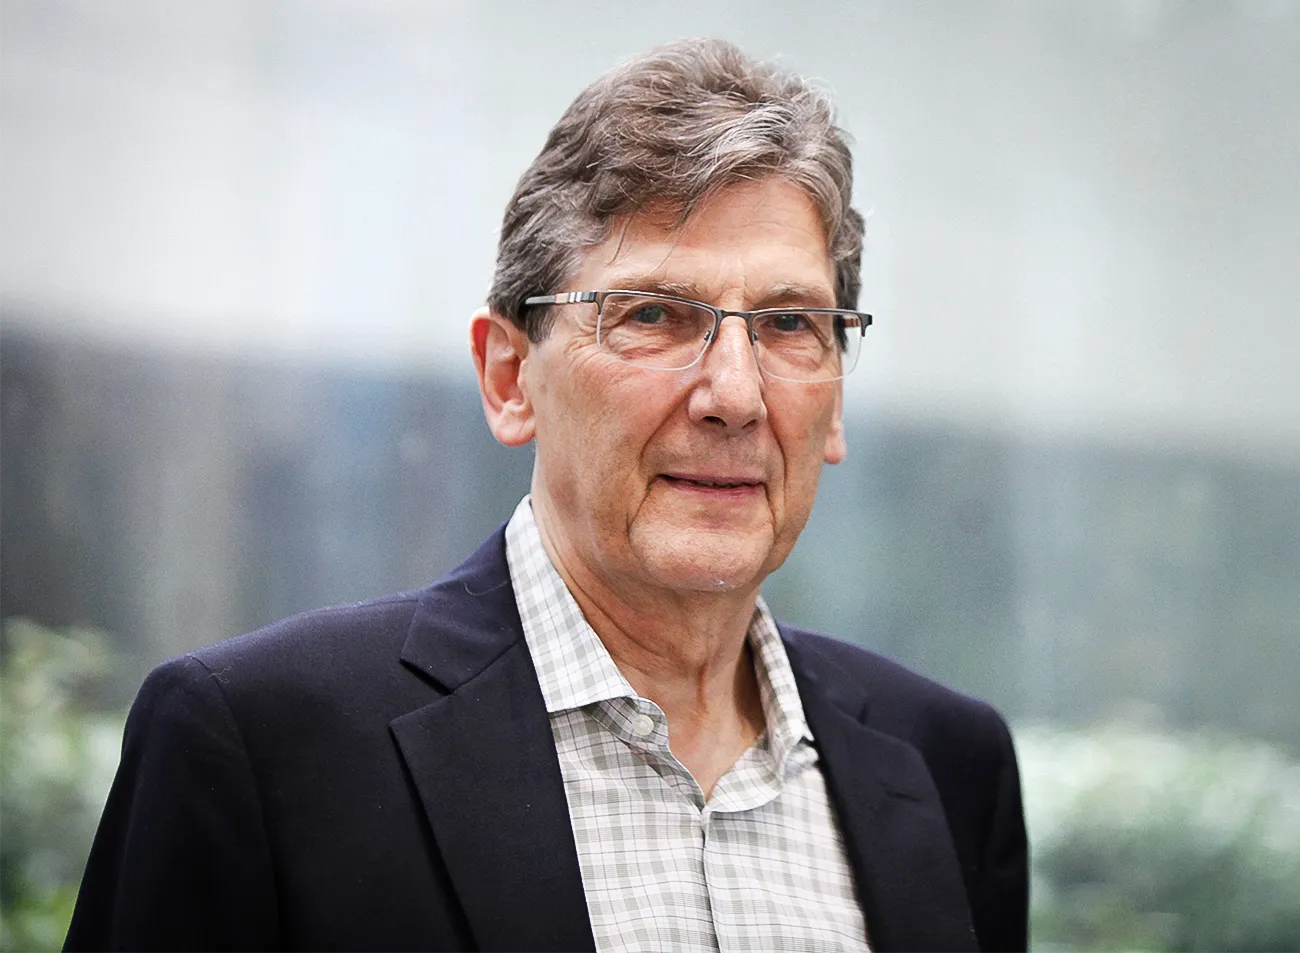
(574, 667)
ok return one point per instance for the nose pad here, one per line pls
(735, 365)
(749, 333)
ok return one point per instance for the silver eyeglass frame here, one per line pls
(598, 298)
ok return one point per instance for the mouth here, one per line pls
(712, 483)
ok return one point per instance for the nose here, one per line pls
(729, 390)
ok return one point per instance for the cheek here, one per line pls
(603, 424)
(804, 449)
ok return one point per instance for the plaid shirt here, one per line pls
(760, 865)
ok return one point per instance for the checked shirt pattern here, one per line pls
(759, 866)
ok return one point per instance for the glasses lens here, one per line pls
(808, 345)
(662, 333)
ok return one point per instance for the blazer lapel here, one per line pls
(908, 878)
(483, 761)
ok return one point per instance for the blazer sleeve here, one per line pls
(181, 859)
(1001, 906)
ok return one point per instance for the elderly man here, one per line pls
(593, 734)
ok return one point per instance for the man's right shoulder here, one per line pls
(325, 636)
(329, 653)
(378, 655)
(360, 641)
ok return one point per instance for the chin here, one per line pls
(705, 562)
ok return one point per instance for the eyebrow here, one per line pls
(777, 295)
(794, 293)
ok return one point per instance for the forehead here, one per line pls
(751, 241)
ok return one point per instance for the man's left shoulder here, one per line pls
(968, 752)
(896, 699)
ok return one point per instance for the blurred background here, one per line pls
(240, 242)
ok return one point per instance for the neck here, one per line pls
(686, 652)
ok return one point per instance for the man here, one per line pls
(593, 734)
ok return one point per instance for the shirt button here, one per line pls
(643, 725)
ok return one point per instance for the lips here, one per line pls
(713, 483)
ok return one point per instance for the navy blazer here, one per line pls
(382, 776)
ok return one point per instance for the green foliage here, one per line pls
(1142, 840)
(59, 747)
(1150, 841)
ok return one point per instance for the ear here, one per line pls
(836, 447)
(499, 348)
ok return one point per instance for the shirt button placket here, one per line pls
(715, 882)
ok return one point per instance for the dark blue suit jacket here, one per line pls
(382, 776)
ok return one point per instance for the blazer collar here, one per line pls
(483, 760)
(908, 877)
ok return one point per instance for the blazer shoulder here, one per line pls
(380, 654)
(901, 701)
(328, 636)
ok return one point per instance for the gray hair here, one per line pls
(673, 125)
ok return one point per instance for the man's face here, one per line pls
(699, 479)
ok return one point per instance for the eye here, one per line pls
(648, 314)
(789, 322)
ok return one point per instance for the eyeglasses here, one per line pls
(666, 333)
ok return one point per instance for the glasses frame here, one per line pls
(598, 298)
